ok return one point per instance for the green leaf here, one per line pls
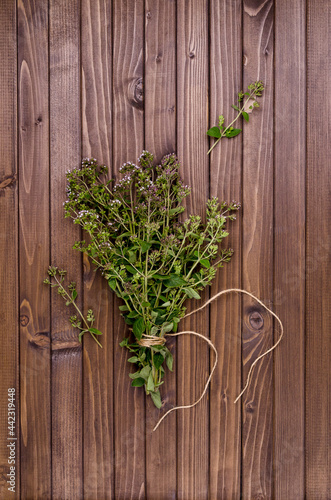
(139, 328)
(150, 383)
(205, 263)
(214, 132)
(144, 245)
(133, 359)
(156, 398)
(169, 360)
(191, 293)
(174, 211)
(235, 107)
(134, 375)
(74, 294)
(132, 314)
(157, 361)
(123, 308)
(174, 281)
(138, 382)
(124, 342)
(145, 304)
(95, 331)
(233, 132)
(159, 276)
(123, 235)
(167, 327)
(112, 284)
(128, 321)
(144, 373)
(130, 269)
(166, 304)
(246, 116)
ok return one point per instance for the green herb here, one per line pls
(151, 259)
(249, 102)
(55, 280)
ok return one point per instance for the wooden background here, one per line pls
(108, 79)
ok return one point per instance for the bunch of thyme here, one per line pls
(152, 260)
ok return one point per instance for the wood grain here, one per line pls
(128, 143)
(96, 58)
(34, 249)
(225, 325)
(257, 402)
(65, 150)
(9, 335)
(289, 248)
(318, 262)
(193, 356)
(160, 133)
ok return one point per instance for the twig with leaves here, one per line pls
(254, 90)
(85, 325)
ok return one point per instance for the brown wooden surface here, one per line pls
(9, 291)
(65, 150)
(98, 408)
(318, 263)
(35, 343)
(289, 249)
(107, 79)
(257, 253)
(160, 137)
(225, 314)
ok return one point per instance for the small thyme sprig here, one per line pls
(254, 90)
(70, 297)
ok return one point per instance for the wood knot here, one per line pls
(40, 340)
(38, 121)
(24, 320)
(191, 55)
(149, 15)
(158, 58)
(256, 320)
(171, 109)
(8, 181)
(249, 408)
(136, 93)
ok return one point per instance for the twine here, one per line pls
(151, 340)
(229, 290)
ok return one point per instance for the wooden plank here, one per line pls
(289, 247)
(318, 264)
(257, 402)
(96, 57)
(65, 150)
(160, 133)
(193, 355)
(225, 326)
(34, 249)
(9, 335)
(128, 143)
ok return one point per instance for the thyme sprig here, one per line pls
(249, 102)
(85, 325)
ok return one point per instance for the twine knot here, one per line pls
(151, 340)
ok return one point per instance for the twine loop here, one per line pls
(214, 348)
